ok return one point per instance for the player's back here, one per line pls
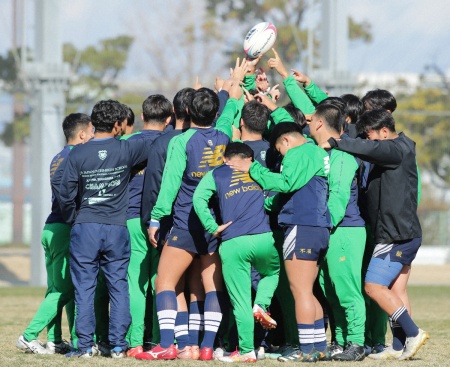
(136, 184)
(56, 169)
(204, 151)
(101, 169)
(241, 201)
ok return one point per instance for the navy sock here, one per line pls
(196, 321)
(405, 321)
(320, 339)
(306, 337)
(213, 317)
(182, 329)
(166, 307)
(398, 335)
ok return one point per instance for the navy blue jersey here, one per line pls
(136, 184)
(241, 201)
(94, 186)
(204, 151)
(307, 206)
(260, 148)
(153, 173)
(56, 171)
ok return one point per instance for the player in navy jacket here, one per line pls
(94, 197)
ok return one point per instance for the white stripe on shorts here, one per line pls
(289, 242)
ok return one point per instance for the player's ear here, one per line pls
(168, 119)
(117, 128)
(142, 117)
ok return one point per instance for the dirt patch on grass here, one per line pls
(15, 270)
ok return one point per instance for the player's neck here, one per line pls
(193, 124)
(323, 137)
(182, 124)
(155, 126)
(104, 135)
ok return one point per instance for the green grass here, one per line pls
(431, 306)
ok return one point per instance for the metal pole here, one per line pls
(48, 77)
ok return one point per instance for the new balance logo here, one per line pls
(239, 177)
(212, 158)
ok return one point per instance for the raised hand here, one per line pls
(252, 65)
(235, 90)
(275, 92)
(197, 84)
(218, 84)
(266, 101)
(301, 77)
(240, 69)
(248, 96)
(277, 64)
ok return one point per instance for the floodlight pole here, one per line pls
(333, 73)
(47, 77)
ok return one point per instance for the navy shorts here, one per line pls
(307, 243)
(402, 251)
(196, 241)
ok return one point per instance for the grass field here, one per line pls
(431, 306)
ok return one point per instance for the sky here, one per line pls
(407, 34)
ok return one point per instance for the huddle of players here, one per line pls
(183, 186)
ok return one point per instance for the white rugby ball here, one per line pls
(260, 39)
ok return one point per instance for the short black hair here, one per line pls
(156, 108)
(181, 101)
(124, 114)
(130, 117)
(296, 114)
(379, 99)
(203, 107)
(375, 120)
(238, 149)
(106, 113)
(340, 104)
(331, 114)
(283, 128)
(355, 107)
(255, 116)
(73, 123)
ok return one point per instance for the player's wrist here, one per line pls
(154, 223)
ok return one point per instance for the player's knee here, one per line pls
(370, 288)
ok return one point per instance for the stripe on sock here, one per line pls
(167, 318)
(398, 313)
(306, 336)
(212, 321)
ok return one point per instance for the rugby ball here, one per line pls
(260, 39)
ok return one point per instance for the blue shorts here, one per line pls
(307, 243)
(383, 271)
(402, 251)
(196, 241)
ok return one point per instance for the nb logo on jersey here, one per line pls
(212, 158)
(263, 155)
(102, 154)
(55, 166)
(239, 177)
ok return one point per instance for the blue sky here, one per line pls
(407, 34)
